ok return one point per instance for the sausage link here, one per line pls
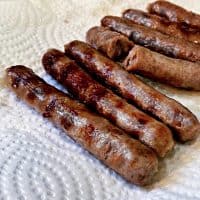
(81, 85)
(175, 72)
(114, 44)
(174, 13)
(166, 109)
(128, 157)
(163, 25)
(155, 40)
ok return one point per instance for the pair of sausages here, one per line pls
(175, 72)
(153, 39)
(81, 85)
(163, 25)
(180, 119)
(174, 13)
(128, 157)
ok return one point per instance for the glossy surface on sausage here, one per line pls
(127, 156)
(175, 72)
(114, 44)
(166, 109)
(174, 13)
(155, 40)
(81, 85)
(163, 25)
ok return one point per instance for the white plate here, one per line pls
(37, 160)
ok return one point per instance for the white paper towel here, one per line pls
(37, 160)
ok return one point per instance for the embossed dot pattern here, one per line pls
(37, 160)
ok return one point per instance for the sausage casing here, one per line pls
(166, 109)
(81, 85)
(155, 40)
(125, 155)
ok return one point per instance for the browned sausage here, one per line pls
(125, 155)
(166, 109)
(163, 25)
(114, 44)
(153, 39)
(175, 72)
(174, 13)
(81, 85)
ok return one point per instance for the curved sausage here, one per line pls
(155, 40)
(114, 44)
(174, 13)
(81, 85)
(163, 25)
(166, 109)
(126, 156)
(175, 72)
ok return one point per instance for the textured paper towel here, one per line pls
(37, 160)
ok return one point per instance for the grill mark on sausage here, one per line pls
(89, 131)
(49, 109)
(66, 123)
(80, 81)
